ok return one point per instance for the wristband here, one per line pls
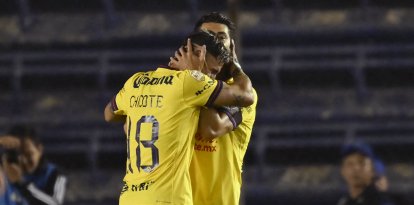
(234, 114)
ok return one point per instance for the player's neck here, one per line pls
(168, 67)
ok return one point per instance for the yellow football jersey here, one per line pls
(216, 166)
(162, 109)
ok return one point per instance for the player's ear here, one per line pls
(197, 49)
(197, 52)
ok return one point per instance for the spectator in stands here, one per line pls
(38, 181)
(359, 173)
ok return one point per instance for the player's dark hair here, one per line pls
(213, 46)
(23, 131)
(216, 17)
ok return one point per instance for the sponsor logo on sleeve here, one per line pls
(197, 75)
(205, 87)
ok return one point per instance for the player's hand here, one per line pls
(9, 142)
(233, 52)
(187, 58)
(234, 64)
(14, 171)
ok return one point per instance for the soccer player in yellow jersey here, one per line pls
(162, 110)
(217, 161)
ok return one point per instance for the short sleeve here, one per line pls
(119, 102)
(199, 89)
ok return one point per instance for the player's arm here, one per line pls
(240, 93)
(116, 109)
(110, 116)
(215, 122)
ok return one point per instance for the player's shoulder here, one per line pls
(180, 74)
(192, 74)
(255, 94)
(134, 76)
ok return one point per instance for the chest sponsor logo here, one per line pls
(145, 80)
(205, 145)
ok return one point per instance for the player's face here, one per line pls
(222, 33)
(220, 30)
(212, 65)
(32, 154)
(357, 170)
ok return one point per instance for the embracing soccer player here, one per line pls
(162, 109)
(217, 162)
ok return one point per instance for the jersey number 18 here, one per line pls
(146, 143)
